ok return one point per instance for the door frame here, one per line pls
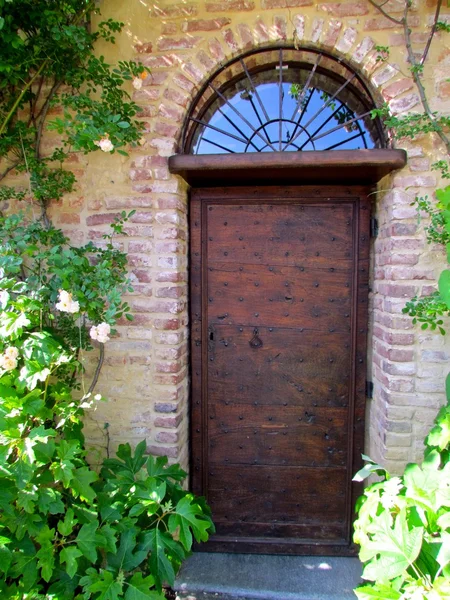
(200, 198)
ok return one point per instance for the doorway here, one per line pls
(279, 286)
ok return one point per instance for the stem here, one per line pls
(432, 32)
(417, 80)
(42, 116)
(21, 95)
(385, 14)
(98, 369)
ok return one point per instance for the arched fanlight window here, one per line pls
(282, 100)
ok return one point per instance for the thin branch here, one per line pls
(10, 168)
(42, 116)
(21, 95)
(97, 370)
(417, 79)
(384, 13)
(432, 32)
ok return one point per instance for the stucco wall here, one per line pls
(145, 375)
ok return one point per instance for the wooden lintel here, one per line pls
(288, 168)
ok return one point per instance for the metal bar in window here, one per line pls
(218, 145)
(345, 141)
(297, 124)
(239, 130)
(327, 103)
(306, 87)
(280, 101)
(323, 124)
(243, 141)
(342, 125)
(255, 131)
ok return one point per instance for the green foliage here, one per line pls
(66, 531)
(47, 61)
(403, 524)
(429, 310)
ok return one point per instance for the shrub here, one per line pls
(66, 531)
(403, 525)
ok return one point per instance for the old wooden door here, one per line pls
(279, 287)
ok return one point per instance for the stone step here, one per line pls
(217, 576)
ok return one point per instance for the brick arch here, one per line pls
(205, 57)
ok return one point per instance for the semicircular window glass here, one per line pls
(285, 106)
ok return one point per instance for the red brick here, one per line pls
(398, 87)
(403, 229)
(170, 379)
(205, 24)
(171, 292)
(168, 422)
(230, 6)
(140, 174)
(443, 90)
(261, 31)
(205, 60)
(169, 28)
(170, 247)
(166, 407)
(167, 437)
(280, 27)
(176, 97)
(170, 277)
(346, 9)
(143, 48)
(172, 233)
(102, 219)
(142, 217)
(174, 10)
(159, 62)
(230, 40)
(143, 275)
(168, 367)
(182, 43)
(194, 72)
(69, 218)
(397, 355)
(183, 82)
(146, 95)
(246, 35)
(169, 451)
(332, 34)
(167, 324)
(269, 4)
(215, 47)
(139, 246)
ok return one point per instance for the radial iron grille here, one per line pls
(279, 101)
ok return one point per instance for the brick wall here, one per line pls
(146, 370)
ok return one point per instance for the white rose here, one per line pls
(66, 303)
(11, 352)
(8, 364)
(105, 144)
(100, 332)
(137, 83)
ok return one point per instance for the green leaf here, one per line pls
(380, 591)
(81, 483)
(5, 559)
(160, 565)
(444, 287)
(139, 588)
(126, 559)
(69, 555)
(187, 517)
(32, 372)
(368, 470)
(65, 527)
(103, 583)
(398, 547)
(123, 124)
(45, 554)
(86, 540)
(157, 467)
(12, 324)
(443, 557)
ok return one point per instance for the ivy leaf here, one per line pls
(22, 473)
(86, 540)
(157, 467)
(45, 554)
(69, 555)
(81, 483)
(5, 559)
(139, 588)
(188, 516)
(25, 564)
(108, 538)
(158, 543)
(65, 527)
(32, 372)
(126, 559)
(103, 582)
(398, 547)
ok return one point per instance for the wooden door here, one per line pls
(279, 284)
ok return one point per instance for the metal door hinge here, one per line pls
(369, 389)
(373, 227)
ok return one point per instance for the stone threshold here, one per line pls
(217, 576)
